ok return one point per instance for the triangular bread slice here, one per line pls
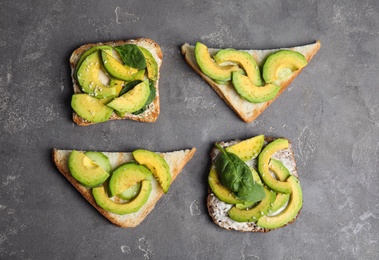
(176, 161)
(152, 112)
(244, 109)
(218, 210)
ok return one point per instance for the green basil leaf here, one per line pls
(131, 56)
(129, 86)
(150, 99)
(236, 175)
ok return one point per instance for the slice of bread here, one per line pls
(176, 161)
(244, 109)
(152, 112)
(218, 210)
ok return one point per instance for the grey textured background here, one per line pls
(330, 112)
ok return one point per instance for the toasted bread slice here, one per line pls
(244, 109)
(218, 210)
(176, 161)
(152, 112)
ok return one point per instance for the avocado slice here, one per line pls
(151, 63)
(256, 212)
(117, 69)
(86, 171)
(100, 159)
(281, 64)
(157, 165)
(126, 176)
(133, 100)
(88, 52)
(90, 108)
(263, 166)
(221, 192)
(282, 173)
(102, 199)
(118, 84)
(131, 192)
(247, 149)
(244, 59)
(209, 67)
(290, 212)
(252, 93)
(88, 77)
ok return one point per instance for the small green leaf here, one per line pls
(132, 56)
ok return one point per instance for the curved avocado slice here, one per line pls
(151, 64)
(85, 171)
(244, 59)
(252, 93)
(263, 166)
(255, 213)
(157, 165)
(88, 77)
(88, 52)
(100, 159)
(117, 69)
(209, 67)
(282, 173)
(132, 100)
(126, 176)
(134, 205)
(221, 192)
(90, 108)
(285, 59)
(290, 212)
(247, 149)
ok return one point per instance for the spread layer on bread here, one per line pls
(273, 168)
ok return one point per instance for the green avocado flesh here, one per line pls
(88, 52)
(88, 77)
(282, 174)
(157, 165)
(85, 171)
(131, 192)
(263, 166)
(133, 100)
(252, 93)
(220, 191)
(126, 176)
(102, 199)
(256, 212)
(290, 212)
(284, 59)
(90, 108)
(247, 149)
(151, 63)
(117, 69)
(244, 59)
(209, 67)
(100, 159)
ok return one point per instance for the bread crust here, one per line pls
(245, 110)
(213, 203)
(152, 112)
(176, 160)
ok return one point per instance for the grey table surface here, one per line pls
(330, 112)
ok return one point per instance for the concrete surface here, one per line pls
(330, 112)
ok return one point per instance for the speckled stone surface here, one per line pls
(330, 113)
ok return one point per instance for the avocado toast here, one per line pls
(123, 186)
(248, 80)
(253, 185)
(116, 80)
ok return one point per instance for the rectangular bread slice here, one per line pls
(218, 210)
(247, 111)
(152, 112)
(176, 161)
